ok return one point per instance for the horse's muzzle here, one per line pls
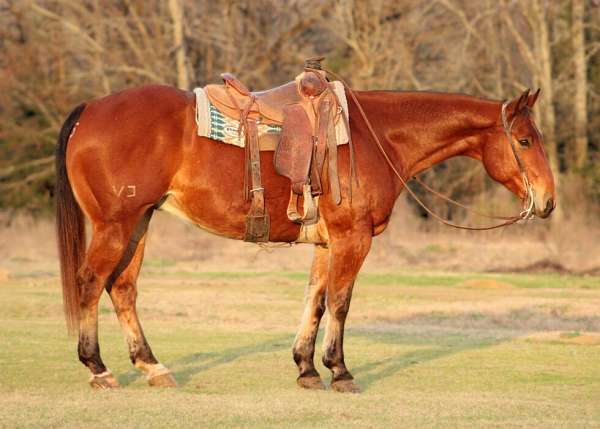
(545, 208)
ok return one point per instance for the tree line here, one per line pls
(55, 54)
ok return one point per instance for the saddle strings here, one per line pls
(524, 215)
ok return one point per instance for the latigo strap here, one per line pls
(257, 220)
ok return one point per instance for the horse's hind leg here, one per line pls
(106, 249)
(304, 344)
(123, 294)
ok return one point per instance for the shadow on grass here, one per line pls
(186, 367)
(375, 371)
(197, 362)
(432, 348)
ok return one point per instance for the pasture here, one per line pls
(428, 349)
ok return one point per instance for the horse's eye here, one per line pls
(525, 142)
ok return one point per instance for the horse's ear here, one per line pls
(533, 98)
(517, 104)
(523, 99)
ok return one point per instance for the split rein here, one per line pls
(526, 214)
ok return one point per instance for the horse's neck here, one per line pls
(421, 129)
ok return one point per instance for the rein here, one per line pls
(526, 214)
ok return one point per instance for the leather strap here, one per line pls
(334, 181)
(352, 173)
(322, 124)
(257, 220)
(524, 215)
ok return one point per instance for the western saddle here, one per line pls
(306, 109)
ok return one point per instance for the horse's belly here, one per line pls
(224, 226)
(230, 223)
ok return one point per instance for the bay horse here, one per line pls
(119, 157)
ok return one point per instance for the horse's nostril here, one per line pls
(549, 205)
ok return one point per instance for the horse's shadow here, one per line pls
(374, 371)
(367, 374)
(186, 367)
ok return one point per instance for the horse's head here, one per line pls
(513, 154)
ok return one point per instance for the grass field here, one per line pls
(428, 350)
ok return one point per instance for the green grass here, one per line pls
(428, 350)
(552, 281)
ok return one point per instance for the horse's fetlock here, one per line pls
(90, 357)
(303, 352)
(344, 375)
(141, 354)
(87, 350)
(328, 360)
(298, 357)
(311, 372)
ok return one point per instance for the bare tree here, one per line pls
(57, 53)
(536, 54)
(580, 110)
(176, 10)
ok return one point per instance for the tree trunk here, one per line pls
(580, 146)
(544, 77)
(540, 22)
(176, 10)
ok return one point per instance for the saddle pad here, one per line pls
(213, 124)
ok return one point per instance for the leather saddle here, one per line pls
(269, 104)
(307, 110)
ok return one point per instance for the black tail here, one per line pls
(70, 225)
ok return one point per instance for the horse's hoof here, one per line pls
(313, 382)
(163, 380)
(104, 381)
(345, 386)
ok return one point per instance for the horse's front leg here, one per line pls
(304, 344)
(347, 254)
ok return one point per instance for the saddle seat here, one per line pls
(268, 105)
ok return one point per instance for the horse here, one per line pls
(121, 157)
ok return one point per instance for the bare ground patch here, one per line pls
(565, 337)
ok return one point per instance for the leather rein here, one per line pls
(528, 202)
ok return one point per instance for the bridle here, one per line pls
(528, 200)
(527, 213)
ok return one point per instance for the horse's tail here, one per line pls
(70, 225)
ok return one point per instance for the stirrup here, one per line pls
(311, 214)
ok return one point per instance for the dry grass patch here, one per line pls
(486, 284)
(571, 337)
